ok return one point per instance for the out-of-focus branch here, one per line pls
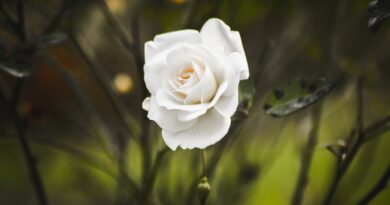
(213, 161)
(87, 106)
(156, 166)
(378, 188)
(7, 19)
(104, 82)
(307, 155)
(348, 157)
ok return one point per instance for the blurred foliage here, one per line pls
(82, 102)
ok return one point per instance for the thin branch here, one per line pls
(8, 20)
(155, 169)
(104, 83)
(21, 20)
(378, 188)
(87, 106)
(355, 147)
(307, 156)
(213, 162)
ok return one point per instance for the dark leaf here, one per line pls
(51, 39)
(379, 10)
(19, 64)
(295, 96)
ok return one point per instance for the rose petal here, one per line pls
(215, 33)
(239, 63)
(163, 41)
(227, 106)
(165, 100)
(204, 90)
(208, 130)
(187, 115)
(167, 119)
(146, 104)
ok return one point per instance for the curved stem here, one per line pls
(378, 188)
(350, 155)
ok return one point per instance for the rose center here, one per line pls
(185, 75)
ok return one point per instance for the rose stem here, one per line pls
(153, 175)
(204, 162)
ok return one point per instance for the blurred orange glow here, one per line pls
(178, 1)
(123, 83)
(116, 5)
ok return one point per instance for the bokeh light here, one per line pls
(123, 83)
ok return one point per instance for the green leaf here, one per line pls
(295, 96)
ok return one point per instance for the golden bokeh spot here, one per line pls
(123, 83)
(116, 5)
(178, 1)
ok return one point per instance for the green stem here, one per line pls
(154, 173)
(204, 162)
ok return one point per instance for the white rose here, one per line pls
(193, 79)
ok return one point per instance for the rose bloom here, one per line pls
(193, 79)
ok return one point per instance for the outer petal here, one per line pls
(215, 33)
(227, 105)
(153, 71)
(167, 119)
(239, 63)
(163, 41)
(209, 129)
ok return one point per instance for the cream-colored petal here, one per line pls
(208, 130)
(167, 119)
(163, 41)
(146, 104)
(227, 105)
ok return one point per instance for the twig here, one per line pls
(307, 155)
(350, 155)
(191, 15)
(156, 167)
(104, 83)
(87, 106)
(21, 20)
(8, 20)
(378, 188)
(20, 125)
(213, 162)
(65, 11)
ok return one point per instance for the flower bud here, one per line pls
(203, 190)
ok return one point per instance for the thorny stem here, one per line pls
(307, 155)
